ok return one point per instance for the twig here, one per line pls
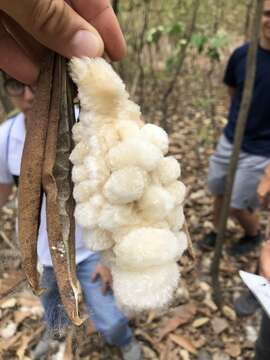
(13, 288)
(190, 246)
(8, 242)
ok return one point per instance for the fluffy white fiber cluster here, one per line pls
(128, 196)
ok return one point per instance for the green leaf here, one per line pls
(199, 41)
(175, 29)
(154, 34)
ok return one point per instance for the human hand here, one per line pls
(69, 27)
(263, 191)
(105, 275)
(265, 260)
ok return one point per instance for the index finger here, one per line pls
(100, 14)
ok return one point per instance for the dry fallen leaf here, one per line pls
(164, 354)
(200, 322)
(9, 330)
(9, 303)
(229, 313)
(219, 325)
(20, 316)
(184, 355)
(234, 350)
(10, 283)
(184, 342)
(182, 315)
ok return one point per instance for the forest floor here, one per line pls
(193, 327)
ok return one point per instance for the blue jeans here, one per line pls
(102, 309)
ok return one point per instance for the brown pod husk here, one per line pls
(30, 190)
(57, 185)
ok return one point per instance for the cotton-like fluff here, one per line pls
(110, 135)
(79, 173)
(127, 129)
(176, 218)
(134, 152)
(140, 290)
(125, 186)
(157, 136)
(156, 203)
(129, 200)
(96, 168)
(147, 247)
(182, 238)
(130, 111)
(86, 213)
(77, 132)
(97, 146)
(84, 190)
(97, 239)
(100, 89)
(112, 217)
(79, 152)
(178, 191)
(168, 170)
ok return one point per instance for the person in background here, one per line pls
(254, 155)
(94, 277)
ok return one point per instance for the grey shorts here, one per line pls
(248, 174)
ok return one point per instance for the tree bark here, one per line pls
(249, 7)
(240, 128)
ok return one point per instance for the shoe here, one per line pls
(246, 304)
(45, 346)
(132, 351)
(208, 242)
(245, 245)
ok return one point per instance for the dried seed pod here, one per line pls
(30, 190)
(58, 187)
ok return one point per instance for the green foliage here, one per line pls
(199, 41)
(210, 46)
(173, 31)
(173, 60)
(154, 34)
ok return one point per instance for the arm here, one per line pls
(263, 190)
(265, 260)
(5, 191)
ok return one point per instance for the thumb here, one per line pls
(56, 25)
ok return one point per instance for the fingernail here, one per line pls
(86, 43)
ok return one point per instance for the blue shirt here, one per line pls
(257, 132)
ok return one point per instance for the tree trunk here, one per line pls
(249, 7)
(240, 128)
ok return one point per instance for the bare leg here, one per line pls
(248, 220)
